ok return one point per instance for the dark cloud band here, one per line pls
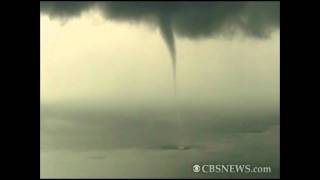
(189, 19)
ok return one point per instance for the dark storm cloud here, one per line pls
(64, 9)
(189, 19)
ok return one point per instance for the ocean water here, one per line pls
(145, 140)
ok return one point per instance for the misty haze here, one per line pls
(147, 90)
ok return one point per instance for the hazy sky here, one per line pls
(90, 57)
(107, 103)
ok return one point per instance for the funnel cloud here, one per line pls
(193, 20)
(167, 34)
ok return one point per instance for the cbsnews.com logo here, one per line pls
(230, 168)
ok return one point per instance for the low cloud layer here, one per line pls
(188, 19)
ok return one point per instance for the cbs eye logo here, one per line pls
(196, 168)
